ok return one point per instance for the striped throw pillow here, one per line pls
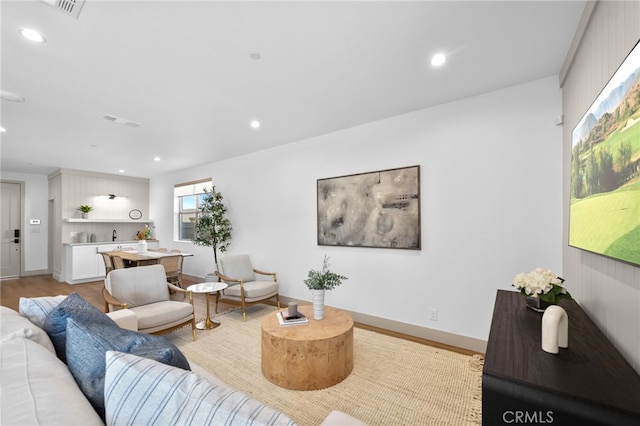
(36, 309)
(142, 391)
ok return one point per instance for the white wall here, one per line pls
(608, 290)
(490, 199)
(35, 237)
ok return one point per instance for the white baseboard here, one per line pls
(423, 333)
(445, 338)
(37, 272)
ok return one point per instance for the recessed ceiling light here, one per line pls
(121, 171)
(438, 59)
(2, 130)
(156, 158)
(255, 124)
(31, 34)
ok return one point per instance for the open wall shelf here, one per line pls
(78, 220)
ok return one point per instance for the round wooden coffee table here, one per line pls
(308, 357)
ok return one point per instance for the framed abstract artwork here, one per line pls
(376, 209)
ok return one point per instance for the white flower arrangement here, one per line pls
(542, 283)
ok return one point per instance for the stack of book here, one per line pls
(286, 320)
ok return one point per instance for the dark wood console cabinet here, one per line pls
(588, 383)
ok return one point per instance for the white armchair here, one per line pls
(245, 287)
(145, 291)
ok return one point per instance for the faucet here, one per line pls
(114, 235)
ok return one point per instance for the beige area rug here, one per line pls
(393, 382)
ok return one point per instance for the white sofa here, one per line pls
(37, 388)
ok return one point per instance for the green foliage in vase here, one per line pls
(324, 279)
(85, 209)
(212, 228)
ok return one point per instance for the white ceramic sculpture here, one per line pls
(555, 329)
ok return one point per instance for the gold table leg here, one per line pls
(208, 323)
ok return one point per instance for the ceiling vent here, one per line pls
(120, 120)
(68, 7)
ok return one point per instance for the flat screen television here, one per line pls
(604, 212)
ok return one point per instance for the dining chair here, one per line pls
(118, 262)
(108, 264)
(173, 268)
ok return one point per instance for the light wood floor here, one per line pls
(11, 290)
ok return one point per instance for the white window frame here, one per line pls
(187, 189)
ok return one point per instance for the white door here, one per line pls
(11, 231)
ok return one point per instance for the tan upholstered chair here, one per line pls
(245, 287)
(145, 291)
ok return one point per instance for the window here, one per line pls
(189, 198)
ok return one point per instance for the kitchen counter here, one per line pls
(84, 263)
(119, 242)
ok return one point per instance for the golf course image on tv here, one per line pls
(604, 212)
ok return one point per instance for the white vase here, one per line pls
(142, 246)
(536, 304)
(317, 297)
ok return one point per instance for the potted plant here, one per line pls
(541, 288)
(320, 281)
(212, 228)
(85, 211)
(145, 234)
(142, 237)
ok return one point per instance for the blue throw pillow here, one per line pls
(75, 307)
(88, 343)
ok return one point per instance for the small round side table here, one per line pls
(207, 288)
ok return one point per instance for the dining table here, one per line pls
(150, 257)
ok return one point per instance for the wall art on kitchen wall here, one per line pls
(376, 209)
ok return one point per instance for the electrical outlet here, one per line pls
(434, 315)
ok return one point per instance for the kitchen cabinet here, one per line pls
(84, 261)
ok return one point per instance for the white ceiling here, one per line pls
(183, 70)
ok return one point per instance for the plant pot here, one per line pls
(85, 215)
(317, 297)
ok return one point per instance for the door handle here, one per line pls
(16, 236)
